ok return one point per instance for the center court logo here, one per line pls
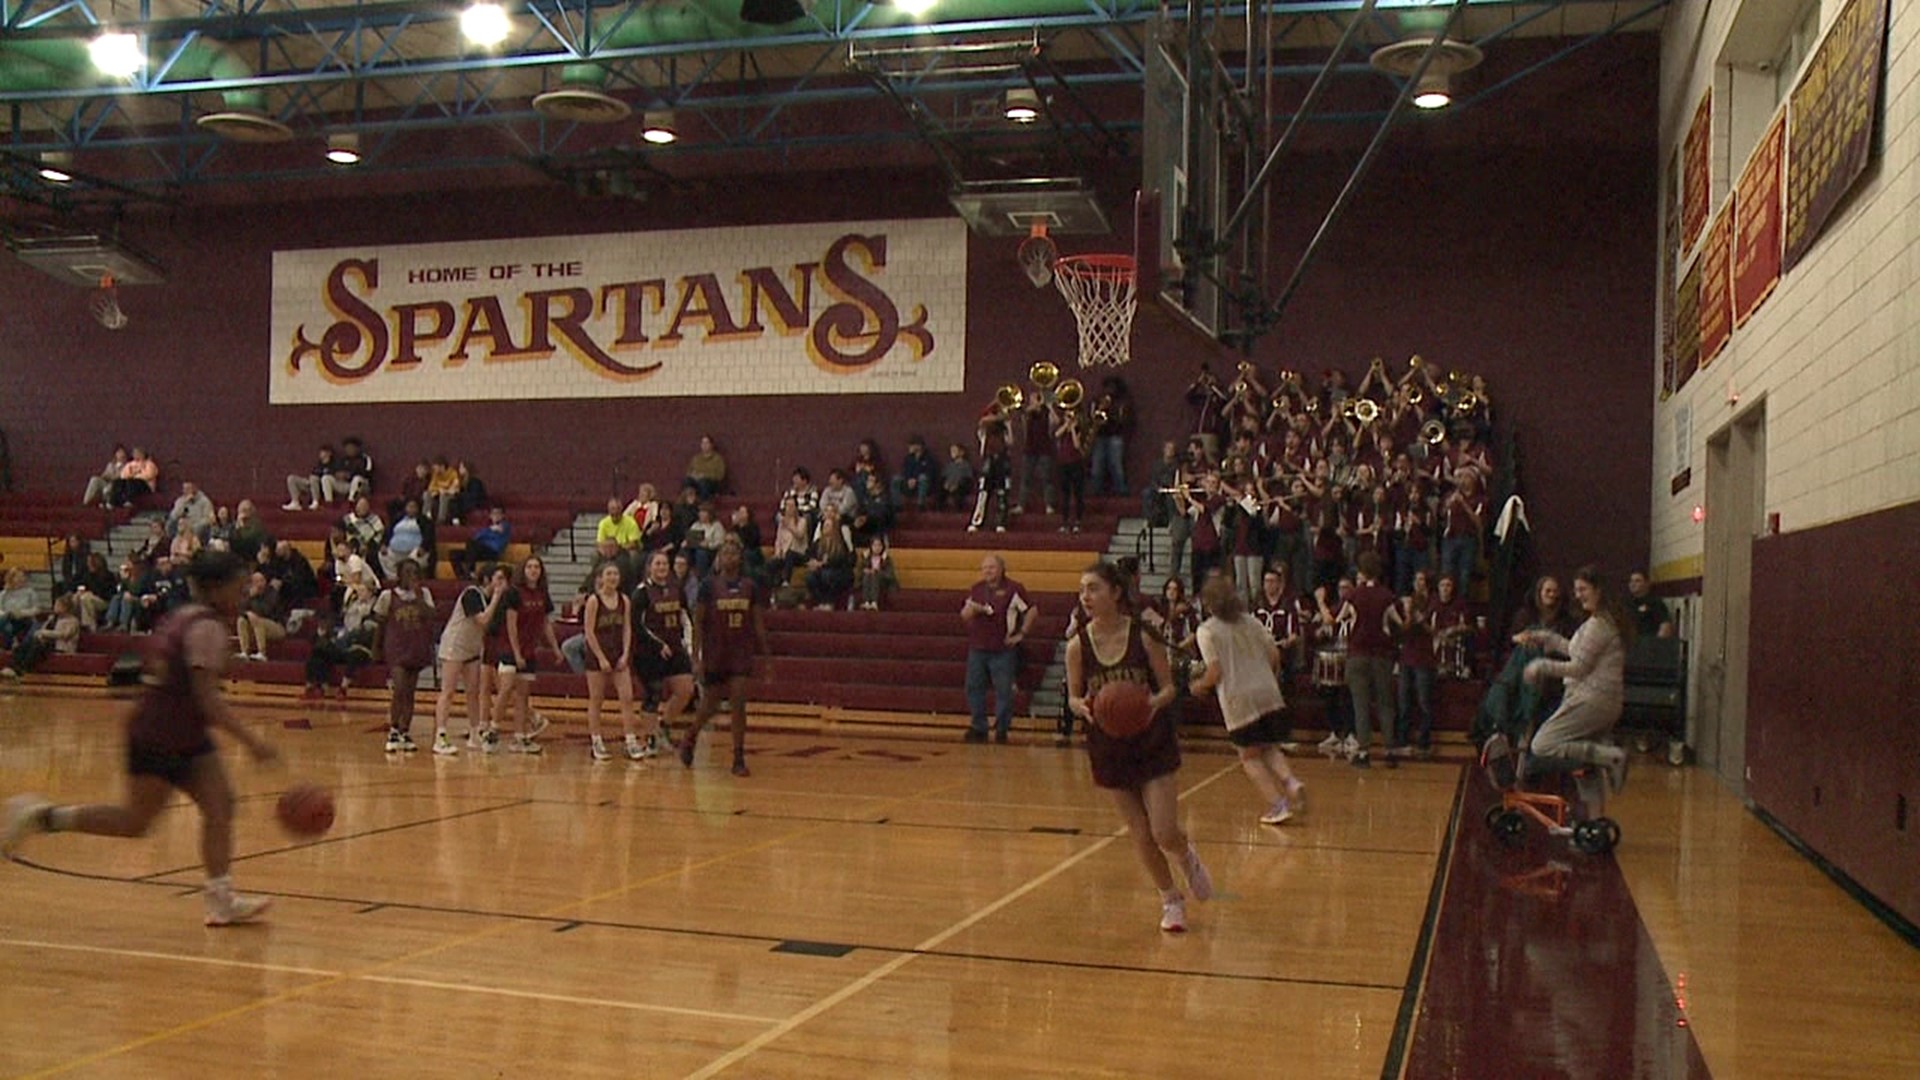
(619, 330)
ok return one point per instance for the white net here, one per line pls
(105, 305)
(1037, 256)
(1100, 290)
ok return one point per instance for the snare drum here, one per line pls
(1453, 659)
(1330, 667)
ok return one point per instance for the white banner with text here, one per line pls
(849, 308)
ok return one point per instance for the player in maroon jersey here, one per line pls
(168, 744)
(659, 646)
(529, 624)
(728, 632)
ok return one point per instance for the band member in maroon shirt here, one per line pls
(1370, 659)
(728, 632)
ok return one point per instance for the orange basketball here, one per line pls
(306, 810)
(1123, 709)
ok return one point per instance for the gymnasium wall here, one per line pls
(1833, 746)
(1835, 352)
(1509, 240)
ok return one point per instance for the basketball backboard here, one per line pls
(1181, 186)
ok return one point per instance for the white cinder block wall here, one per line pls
(1836, 349)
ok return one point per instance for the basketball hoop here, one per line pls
(105, 304)
(1037, 256)
(1100, 290)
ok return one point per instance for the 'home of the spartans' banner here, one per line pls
(851, 308)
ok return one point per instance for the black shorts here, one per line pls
(1270, 730)
(650, 667)
(722, 678)
(173, 766)
(528, 669)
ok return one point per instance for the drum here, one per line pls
(1330, 667)
(1453, 659)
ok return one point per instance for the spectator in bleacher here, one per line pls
(192, 507)
(830, 560)
(1412, 620)
(19, 608)
(74, 551)
(98, 486)
(686, 511)
(803, 495)
(683, 575)
(155, 543)
(875, 514)
(185, 543)
(292, 576)
(408, 539)
(364, 528)
(139, 476)
(249, 533)
(263, 618)
(998, 616)
(1651, 617)
(313, 485)
(956, 480)
(405, 623)
(743, 528)
(653, 516)
(342, 645)
(472, 494)
(442, 485)
(1072, 437)
(93, 591)
(866, 462)
(488, 543)
(919, 479)
(704, 538)
(1544, 609)
(124, 607)
(707, 470)
(790, 544)
(619, 528)
(60, 633)
(170, 590)
(352, 475)
(1115, 426)
(877, 577)
(841, 495)
(413, 487)
(1037, 455)
(220, 533)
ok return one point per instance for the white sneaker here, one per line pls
(635, 752)
(490, 741)
(650, 746)
(1279, 812)
(473, 739)
(523, 744)
(1330, 744)
(291, 506)
(443, 745)
(599, 750)
(394, 743)
(1198, 879)
(25, 815)
(536, 724)
(1350, 746)
(1173, 915)
(226, 907)
(261, 657)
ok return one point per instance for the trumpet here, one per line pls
(1043, 374)
(1416, 362)
(1348, 409)
(1367, 411)
(1433, 432)
(1070, 393)
(1416, 394)
(1468, 402)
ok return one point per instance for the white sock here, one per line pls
(1168, 896)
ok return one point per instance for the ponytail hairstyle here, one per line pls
(1222, 599)
(1612, 606)
(1117, 581)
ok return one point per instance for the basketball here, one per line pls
(306, 810)
(1123, 709)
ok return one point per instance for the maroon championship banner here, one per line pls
(1832, 110)
(1686, 327)
(1669, 268)
(1716, 286)
(1756, 232)
(1696, 173)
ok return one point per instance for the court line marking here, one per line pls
(1395, 1064)
(406, 958)
(149, 954)
(755, 1044)
(344, 837)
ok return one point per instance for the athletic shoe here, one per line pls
(1279, 812)
(974, 735)
(740, 766)
(521, 744)
(490, 741)
(1351, 746)
(1497, 759)
(407, 745)
(1198, 879)
(1002, 737)
(536, 724)
(1173, 915)
(973, 528)
(291, 506)
(599, 750)
(686, 747)
(341, 693)
(443, 745)
(25, 815)
(473, 739)
(999, 528)
(394, 743)
(654, 745)
(1330, 744)
(1617, 770)
(1361, 761)
(635, 752)
(259, 656)
(226, 907)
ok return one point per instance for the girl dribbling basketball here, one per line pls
(167, 740)
(1139, 770)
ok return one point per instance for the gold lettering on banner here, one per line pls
(1832, 112)
(603, 325)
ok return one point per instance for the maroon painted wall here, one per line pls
(1513, 241)
(1834, 744)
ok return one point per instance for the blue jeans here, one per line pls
(999, 667)
(1416, 687)
(920, 487)
(1457, 554)
(1109, 466)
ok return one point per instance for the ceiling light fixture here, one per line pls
(54, 165)
(485, 24)
(343, 148)
(1434, 92)
(657, 127)
(915, 8)
(117, 54)
(1022, 105)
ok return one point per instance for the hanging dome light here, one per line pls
(117, 54)
(657, 127)
(485, 24)
(343, 148)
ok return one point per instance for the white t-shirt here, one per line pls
(1247, 688)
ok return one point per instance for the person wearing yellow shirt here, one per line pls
(620, 529)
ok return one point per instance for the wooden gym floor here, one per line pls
(885, 904)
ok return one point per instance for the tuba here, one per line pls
(1043, 375)
(1070, 394)
(1008, 399)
